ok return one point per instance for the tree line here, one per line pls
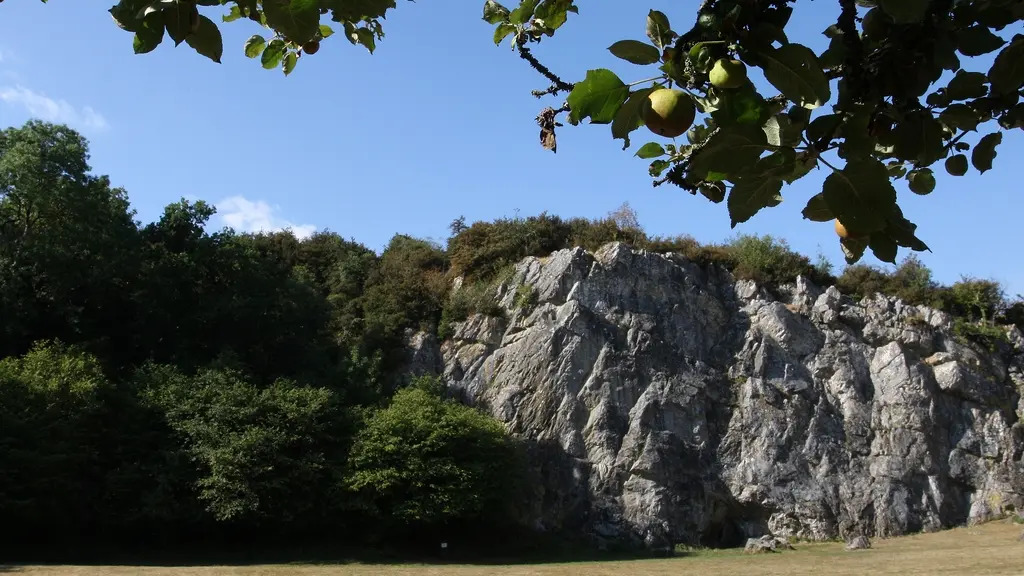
(161, 383)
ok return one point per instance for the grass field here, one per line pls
(981, 550)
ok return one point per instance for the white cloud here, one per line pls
(59, 111)
(245, 215)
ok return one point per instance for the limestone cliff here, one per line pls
(666, 403)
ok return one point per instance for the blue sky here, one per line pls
(437, 123)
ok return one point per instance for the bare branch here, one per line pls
(557, 84)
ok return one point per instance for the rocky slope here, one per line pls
(664, 403)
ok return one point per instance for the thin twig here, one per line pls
(541, 93)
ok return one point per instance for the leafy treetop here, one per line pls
(892, 117)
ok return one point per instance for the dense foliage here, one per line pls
(164, 381)
(911, 83)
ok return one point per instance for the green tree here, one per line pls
(201, 295)
(894, 116)
(68, 243)
(427, 461)
(264, 453)
(406, 289)
(50, 410)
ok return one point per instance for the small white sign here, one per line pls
(444, 544)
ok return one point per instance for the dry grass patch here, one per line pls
(991, 549)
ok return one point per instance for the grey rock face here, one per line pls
(422, 354)
(664, 403)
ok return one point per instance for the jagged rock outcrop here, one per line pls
(666, 403)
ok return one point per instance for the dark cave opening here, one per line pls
(725, 533)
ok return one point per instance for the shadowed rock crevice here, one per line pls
(666, 403)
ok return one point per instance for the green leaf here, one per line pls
(967, 85)
(730, 151)
(554, 13)
(985, 151)
(150, 34)
(207, 40)
(254, 45)
(817, 209)
(495, 13)
(658, 29)
(824, 126)
(289, 62)
(977, 40)
(922, 181)
(802, 165)
(960, 116)
(233, 14)
(896, 169)
(903, 231)
(782, 130)
(796, 72)
(956, 165)
(1014, 118)
(883, 247)
(714, 192)
(178, 20)
(853, 248)
(857, 141)
(750, 195)
(629, 116)
(938, 99)
(125, 15)
(523, 13)
(364, 36)
(298, 20)
(945, 53)
(273, 54)
(860, 195)
(918, 138)
(836, 53)
(326, 31)
(599, 97)
(1007, 71)
(657, 167)
(650, 150)
(503, 30)
(775, 129)
(763, 34)
(635, 52)
(778, 164)
(905, 11)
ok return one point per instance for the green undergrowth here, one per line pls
(484, 253)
